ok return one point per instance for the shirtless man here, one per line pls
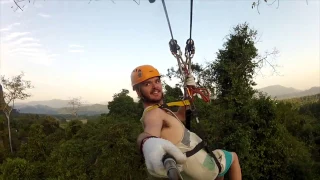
(164, 132)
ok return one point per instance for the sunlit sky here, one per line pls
(71, 48)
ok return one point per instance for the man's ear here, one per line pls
(138, 93)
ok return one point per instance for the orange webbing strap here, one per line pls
(203, 92)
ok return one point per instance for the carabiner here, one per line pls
(190, 48)
(174, 47)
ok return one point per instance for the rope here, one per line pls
(165, 10)
(185, 66)
(189, 50)
(191, 13)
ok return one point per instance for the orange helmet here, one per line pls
(142, 73)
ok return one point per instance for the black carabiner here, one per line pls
(174, 47)
(190, 46)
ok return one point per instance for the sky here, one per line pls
(73, 48)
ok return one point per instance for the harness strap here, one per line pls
(198, 147)
(165, 105)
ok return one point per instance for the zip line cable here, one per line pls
(191, 13)
(190, 49)
(165, 10)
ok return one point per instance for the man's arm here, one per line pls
(153, 122)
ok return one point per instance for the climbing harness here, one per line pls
(203, 144)
(189, 91)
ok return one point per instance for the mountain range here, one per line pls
(281, 92)
(58, 106)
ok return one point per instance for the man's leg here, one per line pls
(235, 169)
(220, 178)
(231, 165)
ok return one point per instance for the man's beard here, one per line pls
(145, 99)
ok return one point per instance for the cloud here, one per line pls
(75, 48)
(76, 51)
(54, 55)
(75, 45)
(14, 35)
(23, 50)
(9, 27)
(5, 2)
(32, 44)
(38, 5)
(44, 15)
(22, 46)
(21, 41)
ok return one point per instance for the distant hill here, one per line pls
(94, 109)
(87, 110)
(54, 103)
(281, 92)
(277, 90)
(37, 109)
(311, 91)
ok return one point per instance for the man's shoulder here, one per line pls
(152, 111)
(151, 117)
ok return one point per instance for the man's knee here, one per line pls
(235, 158)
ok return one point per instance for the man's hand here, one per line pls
(190, 81)
(154, 149)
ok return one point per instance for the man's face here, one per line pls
(151, 90)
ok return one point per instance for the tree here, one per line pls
(234, 68)
(75, 104)
(236, 65)
(123, 105)
(15, 168)
(11, 90)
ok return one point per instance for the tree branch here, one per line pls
(75, 104)
(18, 5)
(257, 3)
(262, 60)
(137, 2)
